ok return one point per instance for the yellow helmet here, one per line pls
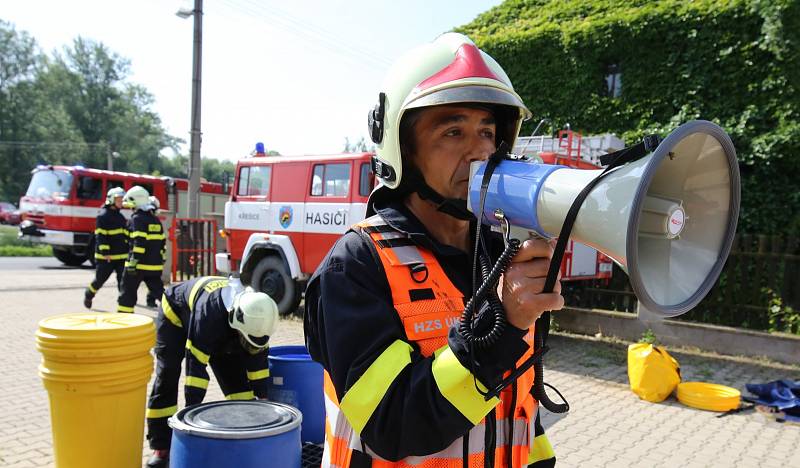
(449, 70)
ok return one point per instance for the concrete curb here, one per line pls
(723, 340)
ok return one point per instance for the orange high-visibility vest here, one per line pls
(428, 305)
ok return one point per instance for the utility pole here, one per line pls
(195, 169)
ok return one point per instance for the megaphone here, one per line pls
(668, 219)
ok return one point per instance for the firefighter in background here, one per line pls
(147, 249)
(110, 244)
(153, 296)
(207, 320)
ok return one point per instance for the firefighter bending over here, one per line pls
(110, 244)
(148, 248)
(207, 320)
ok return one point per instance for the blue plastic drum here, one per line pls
(296, 380)
(244, 434)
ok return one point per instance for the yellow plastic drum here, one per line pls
(95, 367)
(708, 396)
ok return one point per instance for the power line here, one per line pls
(314, 34)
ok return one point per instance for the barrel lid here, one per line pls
(236, 419)
(93, 321)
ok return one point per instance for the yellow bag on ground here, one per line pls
(652, 372)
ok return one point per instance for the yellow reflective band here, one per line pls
(100, 256)
(201, 356)
(153, 413)
(196, 382)
(110, 232)
(363, 397)
(127, 310)
(155, 237)
(154, 227)
(135, 234)
(104, 247)
(92, 289)
(457, 385)
(540, 449)
(138, 250)
(258, 375)
(249, 395)
(169, 313)
(141, 266)
(200, 284)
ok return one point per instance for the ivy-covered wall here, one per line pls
(734, 62)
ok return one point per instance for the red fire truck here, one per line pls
(286, 212)
(62, 202)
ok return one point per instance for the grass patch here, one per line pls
(25, 251)
(12, 246)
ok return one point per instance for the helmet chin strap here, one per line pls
(455, 207)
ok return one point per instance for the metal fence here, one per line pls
(759, 288)
(194, 244)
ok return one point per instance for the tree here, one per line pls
(359, 146)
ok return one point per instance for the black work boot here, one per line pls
(87, 301)
(159, 459)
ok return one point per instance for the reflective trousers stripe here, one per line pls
(128, 310)
(141, 266)
(103, 247)
(248, 395)
(197, 382)
(258, 375)
(153, 413)
(92, 289)
(100, 256)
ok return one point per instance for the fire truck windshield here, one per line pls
(50, 183)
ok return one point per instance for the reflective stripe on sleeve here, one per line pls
(198, 382)
(249, 395)
(457, 385)
(258, 375)
(153, 413)
(123, 309)
(363, 397)
(540, 449)
(199, 355)
(110, 232)
(169, 313)
(138, 249)
(147, 236)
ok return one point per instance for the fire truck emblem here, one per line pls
(285, 216)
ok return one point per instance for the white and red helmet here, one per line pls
(449, 70)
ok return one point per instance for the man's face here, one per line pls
(118, 202)
(447, 140)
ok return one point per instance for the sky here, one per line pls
(297, 75)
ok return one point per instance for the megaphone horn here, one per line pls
(668, 219)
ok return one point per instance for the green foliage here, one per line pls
(12, 246)
(648, 337)
(735, 62)
(23, 251)
(782, 318)
(72, 108)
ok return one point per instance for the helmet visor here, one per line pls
(470, 94)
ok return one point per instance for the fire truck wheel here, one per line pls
(271, 277)
(68, 258)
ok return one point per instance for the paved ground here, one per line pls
(607, 425)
